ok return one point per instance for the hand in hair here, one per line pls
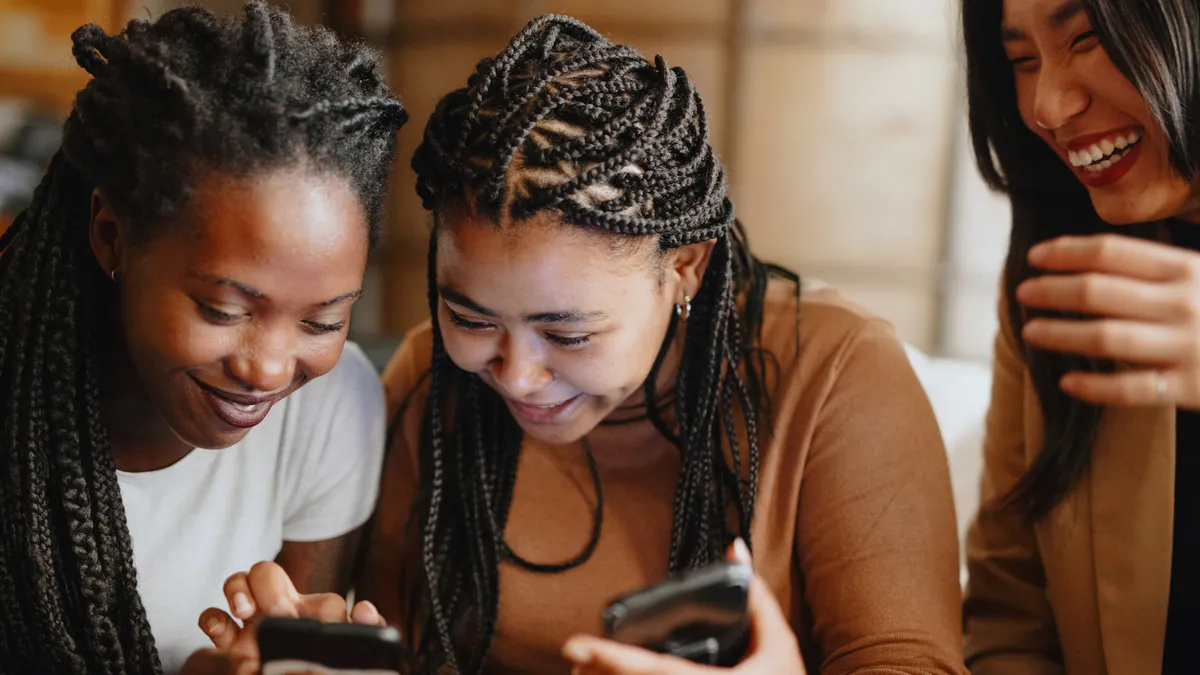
(1142, 300)
(266, 590)
(773, 647)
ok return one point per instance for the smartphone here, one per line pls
(700, 616)
(309, 646)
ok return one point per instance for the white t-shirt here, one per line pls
(308, 472)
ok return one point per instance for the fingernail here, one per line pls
(577, 653)
(213, 626)
(1037, 253)
(242, 606)
(372, 612)
(741, 552)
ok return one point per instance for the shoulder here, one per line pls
(826, 323)
(407, 372)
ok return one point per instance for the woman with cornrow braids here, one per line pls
(614, 388)
(188, 263)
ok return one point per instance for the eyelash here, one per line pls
(1086, 35)
(325, 327)
(225, 318)
(1081, 37)
(216, 314)
(478, 326)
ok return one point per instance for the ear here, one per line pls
(689, 264)
(104, 234)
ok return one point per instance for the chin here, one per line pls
(558, 435)
(1119, 210)
(212, 439)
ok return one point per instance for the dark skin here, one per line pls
(250, 295)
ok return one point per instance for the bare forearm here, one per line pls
(321, 566)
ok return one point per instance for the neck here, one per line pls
(141, 439)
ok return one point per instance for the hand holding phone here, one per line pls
(701, 616)
(770, 646)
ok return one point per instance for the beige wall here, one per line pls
(836, 118)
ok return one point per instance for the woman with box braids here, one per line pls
(172, 102)
(563, 120)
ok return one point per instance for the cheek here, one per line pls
(471, 353)
(615, 366)
(318, 354)
(1025, 86)
(166, 331)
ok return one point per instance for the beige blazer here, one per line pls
(1084, 591)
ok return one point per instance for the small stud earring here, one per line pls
(684, 310)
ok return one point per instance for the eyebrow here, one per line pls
(255, 294)
(1058, 18)
(567, 316)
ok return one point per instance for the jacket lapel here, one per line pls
(1133, 497)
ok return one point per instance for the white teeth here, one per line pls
(1101, 156)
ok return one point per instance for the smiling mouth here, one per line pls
(238, 410)
(1104, 154)
(543, 414)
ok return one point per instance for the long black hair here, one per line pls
(564, 120)
(1156, 45)
(171, 99)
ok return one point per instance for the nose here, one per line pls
(266, 361)
(1059, 98)
(519, 368)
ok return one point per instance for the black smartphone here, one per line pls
(309, 646)
(701, 616)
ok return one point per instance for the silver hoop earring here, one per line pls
(684, 310)
(113, 275)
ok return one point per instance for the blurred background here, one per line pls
(841, 123)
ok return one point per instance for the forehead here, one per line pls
(275, 227)
(1032, 14)
(541, 265)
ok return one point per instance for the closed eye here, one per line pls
(1023, 63)
(215, 315)
(569, 340)
(321, 328)
(1082, 38)
(466, 324)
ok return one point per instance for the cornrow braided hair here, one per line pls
(564, 120)
(170, 99)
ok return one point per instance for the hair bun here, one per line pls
(89, 41)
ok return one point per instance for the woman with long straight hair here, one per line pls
(1085, 554)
